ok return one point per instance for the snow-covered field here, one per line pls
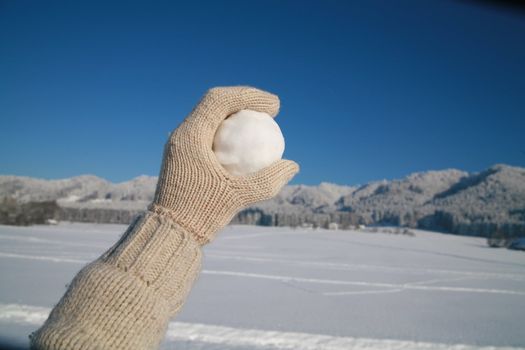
(276, 288)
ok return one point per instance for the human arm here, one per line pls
(125, 298)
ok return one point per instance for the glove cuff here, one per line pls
(201, 226)
(124, 299)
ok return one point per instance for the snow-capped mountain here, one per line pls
(81, 191)
(448, 200)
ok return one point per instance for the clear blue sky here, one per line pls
(369, 89)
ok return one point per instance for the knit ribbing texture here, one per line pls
(124, 299)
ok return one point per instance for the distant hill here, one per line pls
(447, 200)
(81, 191)
(400, 202)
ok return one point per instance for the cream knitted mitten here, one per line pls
(125, 298)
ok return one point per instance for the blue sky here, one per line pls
(369, 89)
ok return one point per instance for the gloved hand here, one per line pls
(125, 298)
(193, 188)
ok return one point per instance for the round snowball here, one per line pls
(248, 141)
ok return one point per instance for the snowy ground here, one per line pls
(275, 288)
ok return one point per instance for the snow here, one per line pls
(278, 288)
(248, 141)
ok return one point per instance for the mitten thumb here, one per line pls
(266, 183)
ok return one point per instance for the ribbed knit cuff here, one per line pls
(124, 299)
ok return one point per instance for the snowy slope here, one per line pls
(447, 201)
(278, 288)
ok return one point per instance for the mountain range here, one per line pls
(449, 200)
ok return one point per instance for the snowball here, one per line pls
(248, 141)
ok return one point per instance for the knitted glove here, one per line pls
(125, 298)
(193, 188)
